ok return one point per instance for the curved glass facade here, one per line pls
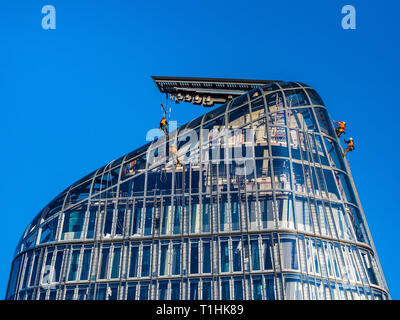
(260, 206)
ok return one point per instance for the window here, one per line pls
(194, 258)
(145, 261)
(133, 268)
(224, 256)
(238, 289)
(176, 259)
(164, 260)
(225, 290)
(86, 264)
(115, 263)
(104, 263)
(255, 255)
(73, 224)
(237, 255)
(194, 290)
(206, 257)
(175, 290)
(267, 254)
(73, 268)
(293, 288)
(257, 289)
(49, 231)
(289, 254)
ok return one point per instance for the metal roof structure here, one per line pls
(206, 91)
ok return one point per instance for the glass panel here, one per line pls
(257, 289)
(267, 254)
(284, 203)
(255, 255)
(131, 294)
(332, 148)
(289, 254)
(133, 268)
(303, 215)
(302, 119)
(176, 259)
(194, 290)
(115, 263)
(269, 288)
(278, 141)
(206, 257)
(73, 268)
(137, 219)
(238, 289)
(164, 260)
(145, 261)
(296, 98)
(163, 291)
(224, 256)
(86, 264)
(237, 255)
(73, 223)
(91, 223)
(225, 290)
(314, 96)
(257, 108)
(274, 102)
(206, 290)
(324, 121)
(104, 263)
(49, 231)
(194, 258)
(293, 288)
(175, 290)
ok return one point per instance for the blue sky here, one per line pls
(75, 98)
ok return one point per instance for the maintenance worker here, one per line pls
(163, 122)
(341, 128)
(350, 146)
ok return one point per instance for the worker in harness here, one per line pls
(341, 128)
(350, 146)
(163, 122)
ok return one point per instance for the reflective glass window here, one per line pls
(324, 121)
(133, 267)
(194, 258)
(49, 231)
(224, 253)
(238, 289)
(104, 263)
(225, 290)
(281, 174)
(257, 289)
(314, 97)
(115, 263)
(86, 264)
(73, 268)
(274, 102)
(255, 255)
(295, 98)
(175, 290)
(73, 224)
(289, 254)
(145, 261)
(206, 257)
(302, 119)
(194, 290)
(176, 259)
(237, 255)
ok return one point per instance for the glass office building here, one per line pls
(265, 209)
